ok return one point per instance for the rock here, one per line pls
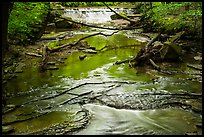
(54, 13)
(94, 48)
(6, 70)
(141, 38)
(198, 58)
(10, 106)
(7, 129)
(91, 51)
(82, 57)
(81, 48)
(50, 26)
(50, 63)
(191, 133)
(132, 16)
(62, 23)
(158, 43)
(120, 22)
(199, 125)
(52, 68)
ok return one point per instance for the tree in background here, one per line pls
(176, 16)
(171, 17)
(27, 20)
(6, 9)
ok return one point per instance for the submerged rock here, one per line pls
(82, 57)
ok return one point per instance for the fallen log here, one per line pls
(125, 18)
(124, 61)
(165, 51)
(77, 42)
(33, 54)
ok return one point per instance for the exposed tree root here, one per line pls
(152, 41)
(33, 54)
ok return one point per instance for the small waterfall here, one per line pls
(93, 15)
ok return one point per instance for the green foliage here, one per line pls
(23, 16)
(176, 16)
(76, 4)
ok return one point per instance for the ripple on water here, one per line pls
(107, 120)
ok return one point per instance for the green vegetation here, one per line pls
(77, 4)
(174, 16)
(27, 18)
(25, 21)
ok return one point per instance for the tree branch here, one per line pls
(152, 41)
(33, 54)
(71, 45)
(125, 18)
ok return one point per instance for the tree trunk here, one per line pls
(5, 16)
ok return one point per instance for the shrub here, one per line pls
(24, 18)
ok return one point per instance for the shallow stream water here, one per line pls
(32, 84)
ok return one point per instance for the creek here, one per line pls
(77, 80)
